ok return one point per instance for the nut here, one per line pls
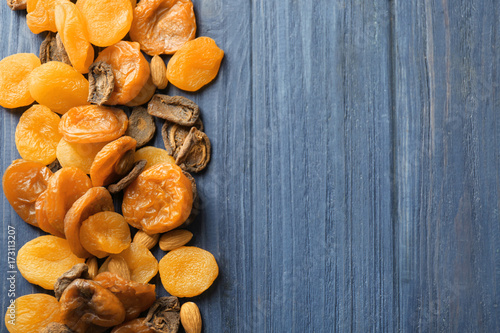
(174, 239)
(148, 241)
(92, 264)
(159, 72)
(118, 265)
(191, 317)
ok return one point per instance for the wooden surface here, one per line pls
(354, 182)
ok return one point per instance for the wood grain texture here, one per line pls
(354, 184)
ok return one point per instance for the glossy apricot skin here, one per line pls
(95, 200)
(163, 26)
(23, 182)
(37, 134)
(134, 326)
(93, 124)
(58, 86)
(195, 64)
(159, 200)
(14, 83)
(41, 16)
(107, 21)
(130, 69)
(80, 155)
(188, 271)
(153, 156)
(44, 259)
(31, 313)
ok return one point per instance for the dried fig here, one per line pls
(163, 316)
(79, 271)
(174, 135)
(194, 154)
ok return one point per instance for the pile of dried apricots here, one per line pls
(79, 148)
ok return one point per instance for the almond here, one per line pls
(148, 241)
(118, 266)
(159, 72)
(174, 239)
(191, 317)
(92, 264)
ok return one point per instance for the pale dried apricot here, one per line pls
(133, 326)
(80, 155)
(42, 260)
(31, 313)
(153, 156)
(14, 83)
(188, 271)
(41, 15)
(37, 134)
(23, 182)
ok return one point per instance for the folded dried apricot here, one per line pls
(31, 313)
(153, 156)
(80, 155)
(14, 83)
(41, 15)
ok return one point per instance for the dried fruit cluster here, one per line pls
(79, 147)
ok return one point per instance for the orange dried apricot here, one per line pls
(113, 162)
(58, 86)
(195, 64)
(14, 89)
(188, 271)
(159, 200)
(41, 215)
(104, 233)
(107, 21)
(133, 326)
(44, 259)
(41, 15)
(163, 26)
(153, 156)
(80, 155)
(93, 124)
(74, 35)
(130, 69)
(147, 91)
(31, 313)
(37, 134)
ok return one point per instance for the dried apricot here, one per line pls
(93, 124)
(73, 32)
(195, 64)
(42, 260)
(107, 21)
(159, 200)
(141, 126)
(104, 233)
(147, 91)
(153, 156)
(133, 326)
(163, 26)
(14, 87)
(113, 162)
(37, 134)
(58, 86)
(41, 15)
(23, 182)
(31, 313)
(80, 155)
(130, 69)
(188, 271)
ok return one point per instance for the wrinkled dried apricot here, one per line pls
(42, 260)
(93, 124)
(104, 233)
(163, 26)
(37, 134)
(41, 15)
(108, 21)
(130, 69)
(153, 156)
(74, 35)
(14, 87)
(31, 313)
(159, 200)
(58, 86)
(147, 91)
(23, 182)
(195, 64)
(133, 326)
(80, 155)
(188, 271)
(113, 162)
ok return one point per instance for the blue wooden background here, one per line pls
(355, 176)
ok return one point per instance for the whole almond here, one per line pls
(159, 72)
(174, 239)
(92, 264)
(191, 317)
(148, 241)
(118, 266)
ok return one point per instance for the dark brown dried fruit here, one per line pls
(128, 179)
(52, 49)
(56, 328)
(79, 271)
(141, 126)
(177, 109)
(194, 154)
(54, 166)
(163, 316)
(195, 210)
(174, 135)
(101, 82)
(17, 4)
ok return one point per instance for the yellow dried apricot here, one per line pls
(44, 259)
(195, 64)
(130, 69)
(14, 88)
(133, 326)
(23, 182)
(31, 313)
(188, 271)
(41, 15)
(153, 156)
(41, 215)
(37, 134)
(163, 26)
(107, 21)
(93, 124)
(104, 233)
(58, 86)
(80, 155)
